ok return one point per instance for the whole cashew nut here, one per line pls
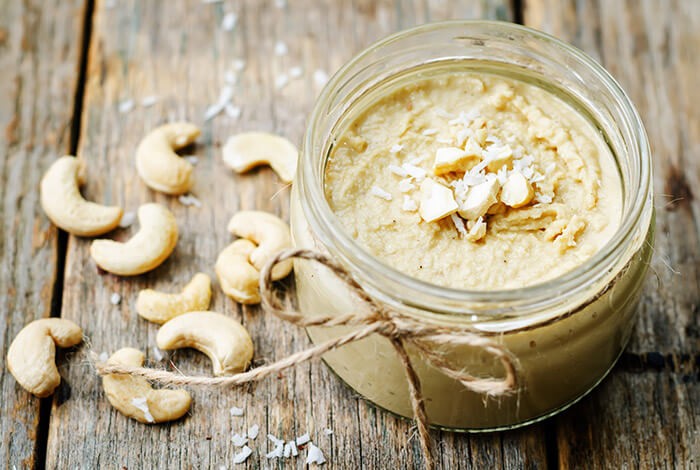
(160, 307)
(244, 151)
(225, 341)
(146, 250)
(67, 209)
(135, 398)
(31, 357)
(238, 278)
(269, 232)
(157, 163)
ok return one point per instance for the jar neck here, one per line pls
(506, 45)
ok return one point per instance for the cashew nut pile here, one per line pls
(157, 163)
(146, 250)
(134, 397)
(63, 204)
(160, 307)
(31, 357)
(245, 151)
(238, 265)
(185, 321)
(225, 341)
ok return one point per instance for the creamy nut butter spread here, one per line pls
(475, 181)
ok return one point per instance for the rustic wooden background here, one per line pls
(66, 66)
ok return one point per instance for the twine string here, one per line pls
(401, 330)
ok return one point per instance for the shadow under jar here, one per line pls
(567, 331)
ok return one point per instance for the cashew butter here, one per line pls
(524, 189)
(480, 175)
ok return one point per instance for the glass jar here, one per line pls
(567, 332)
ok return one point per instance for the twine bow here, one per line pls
(401, 330)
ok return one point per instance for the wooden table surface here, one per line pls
(66, 68)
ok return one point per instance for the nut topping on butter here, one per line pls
(436, 201)
(517, 191)
(479, 199)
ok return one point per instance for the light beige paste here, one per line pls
(577, 203)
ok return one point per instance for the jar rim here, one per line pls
(373, 274)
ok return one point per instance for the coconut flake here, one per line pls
(380, 193)
(396, 148)
(239, 440)
(464, 118)
(281, 81)
(142, 404)
(232, 111)
(126, 105)
(252, 432)
(303, 439)
(459, 224)
(296, 72)
(416, 172)
(230, 77)
(440, 112)
(543, 198)
(189, 200)
(290, 449)
(281, 48)
(278, 451)
(149, 101)
(157, 354)
(315, 455)
(409, 205)
(115, 299)
(397, 170)
(229, 21)
(104, 356)
(128, 218)
(406, 185)
(320, 77)
(328, 431)
(236, 411)
(243, 455)
(238, 65)
(213, 110)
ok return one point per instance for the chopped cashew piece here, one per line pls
(498, 156)
(146, 250)
(31, 356)
(225, 341)
(479, 199)
(237, 276)
(245, 151)
(269, 232)
(472, 148)
(63, 204)
(436, 201)
(157, 163)
(450, 159)
(517, 191)
(160, 307)
(134, 397)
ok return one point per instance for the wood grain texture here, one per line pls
(177, 50)
(646, 414)
(39, 54)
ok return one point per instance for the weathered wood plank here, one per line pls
(645, 415)
(39, 55)
(177, 50)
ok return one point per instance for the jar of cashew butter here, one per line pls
(485, 175)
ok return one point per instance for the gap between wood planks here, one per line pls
(62, 239)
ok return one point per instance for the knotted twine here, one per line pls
(401, 330)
